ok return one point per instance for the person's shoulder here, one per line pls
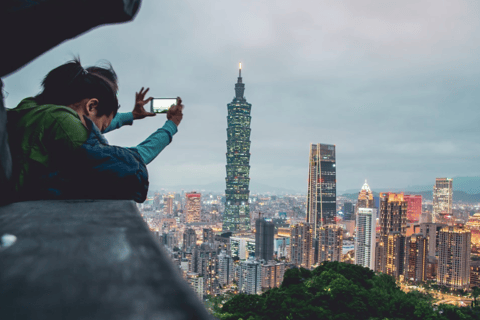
(66, 123)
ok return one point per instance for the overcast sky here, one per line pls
(393, 84)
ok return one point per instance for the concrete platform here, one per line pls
(84, 259)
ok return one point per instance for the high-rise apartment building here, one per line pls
(208, 236)
(330, 243)
(204, 259)
(225, 269)
(272, 274)
(189, 240)
(390, 249)
(168, 204)
(365, 237)
(250, 277)
(414, 207)
(393, 213)
(454, 258)
(196, 282)
(322, 186)
(264, 235)
(432, 232)
(394, 254)
(348, 211)
(442, 199)
(193, 206)
(237, 211)
(416, 258)
(301, 245)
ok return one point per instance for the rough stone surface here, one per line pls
(84, 259)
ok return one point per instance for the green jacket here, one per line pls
(38, 136)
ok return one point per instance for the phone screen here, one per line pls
(161, 105)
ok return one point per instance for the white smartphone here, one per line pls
(161, 105)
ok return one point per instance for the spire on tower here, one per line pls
(239, 86)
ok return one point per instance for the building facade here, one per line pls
(330, 243)
(416, 259)
(193, 206)
(301, 245)
(189, 240)
(237, 211)
(442, 199)
(390, 249)
(454, 258)
(272, 275)
(250, 277)
(432, 232)
(225, 269)
(322, 188)
(414, 207)
(264, 236)
(365, 237)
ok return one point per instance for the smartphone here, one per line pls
(161, 105)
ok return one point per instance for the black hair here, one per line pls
(71, 83)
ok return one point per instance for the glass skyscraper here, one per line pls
(237, 212)
(322, 186)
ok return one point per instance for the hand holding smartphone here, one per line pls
(164, 105)
(161, 105)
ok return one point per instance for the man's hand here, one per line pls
(175, 112)
(139, 111)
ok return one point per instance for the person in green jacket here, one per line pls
(58, 149)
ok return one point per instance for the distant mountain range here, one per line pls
(428, 195)
(220, 187)
(465, 189)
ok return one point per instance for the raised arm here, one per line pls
(156, 142)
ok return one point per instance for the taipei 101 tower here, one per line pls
(236, 217)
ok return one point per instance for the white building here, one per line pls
(196, 282)
(225, 269)
(243, 247)
(365, 237)
(250, 277)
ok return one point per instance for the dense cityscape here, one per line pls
(238, 242)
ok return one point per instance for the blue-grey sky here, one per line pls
(393, 84)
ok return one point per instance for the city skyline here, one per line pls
(397, 109)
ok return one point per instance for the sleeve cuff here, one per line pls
(126, 118)
(170, 126)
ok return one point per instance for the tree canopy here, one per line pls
(339, 291)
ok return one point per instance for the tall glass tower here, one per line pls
(322, 186)
(237, 211)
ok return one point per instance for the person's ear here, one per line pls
(91, 107)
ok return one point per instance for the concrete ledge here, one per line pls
(84, 259)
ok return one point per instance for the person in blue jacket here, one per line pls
(57, 143)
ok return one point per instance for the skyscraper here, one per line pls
(414, 207)
(301, 245)
(264, 234)
(390, 250)
(237, 212)
(454, 258)
(365, 237)
(365, 197)
(193, 207)
(322, 189)
(442, 199)
(416, 258)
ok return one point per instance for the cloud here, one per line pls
(392, 84)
